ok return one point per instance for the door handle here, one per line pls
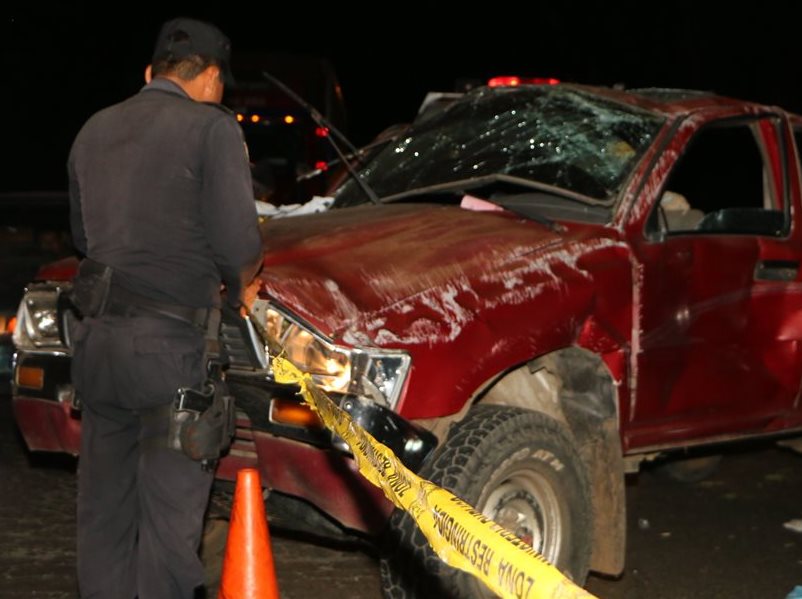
(777, 270)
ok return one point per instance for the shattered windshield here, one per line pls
(552, 135)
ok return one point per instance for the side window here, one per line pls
(727, 181)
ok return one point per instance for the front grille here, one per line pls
(237, 346)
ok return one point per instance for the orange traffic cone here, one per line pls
(248, 569)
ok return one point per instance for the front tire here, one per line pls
(518, 467)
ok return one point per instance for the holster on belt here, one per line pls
(202, 422)
(91, 287)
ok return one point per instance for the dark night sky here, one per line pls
(64, 60)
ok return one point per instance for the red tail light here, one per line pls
(504, 82)
(513, 81)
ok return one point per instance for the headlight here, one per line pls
(37, 318)
(374, 374)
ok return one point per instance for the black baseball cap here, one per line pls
(184, 37)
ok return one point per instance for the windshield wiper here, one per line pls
(526, 209)
(474, 182)
(358, 155)
(531, 204)
(322, 122)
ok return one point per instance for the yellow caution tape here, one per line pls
(461, 536)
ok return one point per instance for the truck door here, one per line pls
(718, 344)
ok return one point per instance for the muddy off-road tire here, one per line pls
(518, 467)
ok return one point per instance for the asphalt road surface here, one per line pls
(720, 538)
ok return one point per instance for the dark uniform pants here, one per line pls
(140, 504)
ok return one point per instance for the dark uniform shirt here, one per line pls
(160, 190)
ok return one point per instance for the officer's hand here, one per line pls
(249, 296)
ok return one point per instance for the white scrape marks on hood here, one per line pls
(443, 311)
(443, 321)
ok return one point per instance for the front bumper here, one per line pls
(307, 463)
(45, 413)
(313, 464)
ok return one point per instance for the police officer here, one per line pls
(161, 199)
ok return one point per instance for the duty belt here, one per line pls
(122, 302)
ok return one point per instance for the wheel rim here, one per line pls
(525, 503)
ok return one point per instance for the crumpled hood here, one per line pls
(350, 272)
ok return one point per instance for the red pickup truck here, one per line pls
(545, 286)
